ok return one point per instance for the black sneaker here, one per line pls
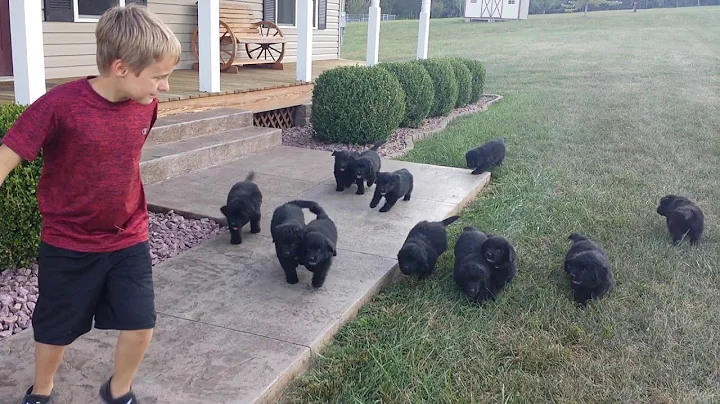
(128, 398)
(36, 398)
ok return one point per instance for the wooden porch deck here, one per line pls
(254, 88)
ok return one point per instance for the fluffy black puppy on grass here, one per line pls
(318, 245)
(483, 158)
(343, 169)
(366, 167)
(682, 216)
(286, 228)
(484, 264)
(589, 269)
(425, 243)
(393, 186)
(243, 206)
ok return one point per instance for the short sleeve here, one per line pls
(33, 129)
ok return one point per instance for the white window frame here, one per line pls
(76, 11)
(294, 25)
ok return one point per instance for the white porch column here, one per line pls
(424, 30)
(303, 67)
(373, 38)
(26, 33)
(209, 45)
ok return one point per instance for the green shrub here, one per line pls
(478, 78)
(464, 79)
(444, 83)
(20, 219)
(356, 105)
(418, 87)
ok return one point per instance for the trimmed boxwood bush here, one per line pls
(418, 87)
(20, 219)
(444, 83)
(464, 79)
(356, 105)
(478, 78)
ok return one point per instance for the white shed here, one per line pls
(492, 10)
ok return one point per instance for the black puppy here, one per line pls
(482, 158)
(471, 272)
(287, 227)
(243, 205)
(484, 264)
(425, 243)
(682, 216)
(589, 268)
(366, 166)
(344, 168)
(318, 245)
(393, 186)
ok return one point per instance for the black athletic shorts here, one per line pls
(114, 288)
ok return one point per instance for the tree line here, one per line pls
(410, 9)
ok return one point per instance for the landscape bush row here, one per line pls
(364, 104)
(20, 219)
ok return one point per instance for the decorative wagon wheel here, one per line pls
(267, 51)
(228, 46)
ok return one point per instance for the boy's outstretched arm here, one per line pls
(8, 161)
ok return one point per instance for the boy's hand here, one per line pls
(8, 161)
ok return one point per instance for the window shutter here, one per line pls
(138, 2)
(322, 14)
(269, 10)
(59, 10)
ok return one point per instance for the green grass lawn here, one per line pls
(602, 116)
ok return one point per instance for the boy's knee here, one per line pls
(138, 336)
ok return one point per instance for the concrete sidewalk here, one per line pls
(230, 329)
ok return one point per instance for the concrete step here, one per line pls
(183, 126)
(164, 161)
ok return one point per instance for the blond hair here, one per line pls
(136, 36)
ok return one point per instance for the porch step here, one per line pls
(183, 126)
(164, 161)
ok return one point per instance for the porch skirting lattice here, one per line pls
(277, 118)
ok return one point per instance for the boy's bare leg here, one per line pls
(47, 361)
(129, 352)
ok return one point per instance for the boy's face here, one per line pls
(145, 87)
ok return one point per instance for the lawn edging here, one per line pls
(417, 134)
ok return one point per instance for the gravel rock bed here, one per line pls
(302, 136)
(170, 234)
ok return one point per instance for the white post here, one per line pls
(303, 67)
(26, 33)
(373, 38)
(424, 31)
(209, 45)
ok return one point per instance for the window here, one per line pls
(91, 10)
(511, 2)
(286, 13)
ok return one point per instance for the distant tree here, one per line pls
(576, 5)
(543, 6)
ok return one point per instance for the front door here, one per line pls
(6, 68)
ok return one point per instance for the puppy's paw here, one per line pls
(292, 279)
(385, 208)
(359, 192)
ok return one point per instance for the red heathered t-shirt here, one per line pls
(90, 193)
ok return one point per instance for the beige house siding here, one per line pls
(70, 46)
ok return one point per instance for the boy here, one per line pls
(94, 257)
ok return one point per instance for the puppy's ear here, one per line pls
(224, 210)
(331, 248)
(396, 178)
(511, 254)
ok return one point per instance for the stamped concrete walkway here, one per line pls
(230, 329)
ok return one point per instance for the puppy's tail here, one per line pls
(251, 176)
(312, 206)
(577, 237)
(449, 220)
(378, 144)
